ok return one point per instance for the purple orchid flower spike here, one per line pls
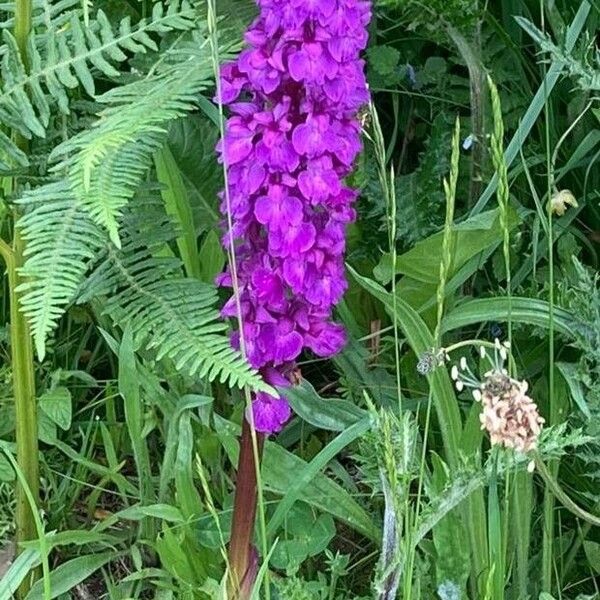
(294, 95)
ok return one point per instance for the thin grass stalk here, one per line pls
(23, 374)
(248, 483)
(548, 510)
(500, 544)
(447, 241)
(552, 75)
(445, 265)
(387, 182)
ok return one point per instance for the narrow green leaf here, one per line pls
(569, 373)
(536, 106)
(17, 572)
(187, 495)
(69, 574)
(129, 388)
(6, 471)
(529, 311)
(300, 480)
(177, 204)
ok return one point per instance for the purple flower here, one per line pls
(294, 95)
(312, 63)
(278, 210)
(313, 137)
(269, 413)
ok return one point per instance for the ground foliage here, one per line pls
(383, 484)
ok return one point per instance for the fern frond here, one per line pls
(61, 242)
(43, 12)
(106, 162)
(172, 316)
(64, 58)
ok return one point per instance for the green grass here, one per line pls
(383, 484)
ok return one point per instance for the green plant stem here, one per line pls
(522, 499)
(495, 549)
(25, 406)
(26, 434)
(241, 574)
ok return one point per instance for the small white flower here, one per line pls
(477, 395)
(463, 363)
(560, 201)
(531, 466)
(503, 354)
(482, 351)
(497, 344)
(454, 372)
(460, 386)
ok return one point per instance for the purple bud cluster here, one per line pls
(293, 95)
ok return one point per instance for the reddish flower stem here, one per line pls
(242, 559)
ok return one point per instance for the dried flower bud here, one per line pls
(560, 201)
(509, 415)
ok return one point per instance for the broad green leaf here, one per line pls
(212, 257)
(173, 556)
(191, 142)
(46, 429)
(592, 553)
(452, 558)
(470, 238)
(384, 59)
(330, 414)
(69, 574)
(57, 405)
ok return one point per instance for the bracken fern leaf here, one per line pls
(61, 241)
(173, 316)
